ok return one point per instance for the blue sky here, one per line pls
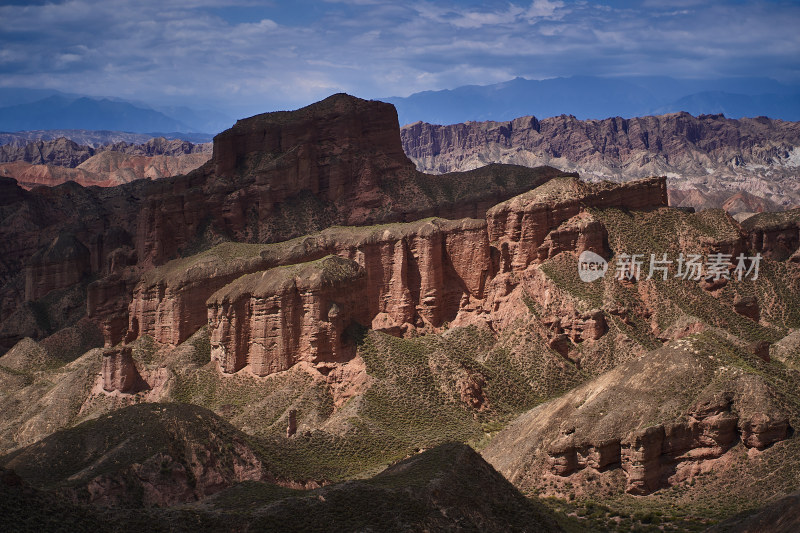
(255, 56)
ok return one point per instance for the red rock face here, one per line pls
(120, 373)
(414, 275)
(272, 320)
(331, 144)
(417, 275)
(650, 456)
(776, 241)
(528, 227)
(62, 264)
(272, 177)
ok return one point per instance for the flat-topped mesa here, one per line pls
(271, 320)
(417, 274)
(521, 227)
(280, 175)
(334, 148)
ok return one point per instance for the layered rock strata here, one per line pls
(522, 225)
(271, 320)
(417, 273)
(272, 177)
(626, 419)
(746, 165)
(417, 276)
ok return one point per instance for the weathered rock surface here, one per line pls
(627, 419)
(418, 275)
(775, 235)
(522, 225)
(746, 164)
(119, 371)
(281, 175)
(63, 263)
(273, 319)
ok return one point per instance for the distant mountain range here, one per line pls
(742, 165)
(598, 98)
(96, 138)
(583, 97)
(25, 110)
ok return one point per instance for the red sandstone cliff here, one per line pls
(417, 276)
(273, 319)
(272, 177)
(417, 273)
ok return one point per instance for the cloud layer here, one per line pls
(268, 55)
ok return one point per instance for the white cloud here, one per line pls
(184, 52)
(543, 9)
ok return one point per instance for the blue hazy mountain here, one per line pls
(31, 109)
(588, 97)
(60, 112)
(786, 107)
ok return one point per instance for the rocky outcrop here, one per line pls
(63, 263)
(658, 418)
(120, 373)
(712, 161)
(417, 275)
(577, 327)
(281, 175)
(775, 235)
(529, 227)
(650, 456)
(293, 151)
(271, 320)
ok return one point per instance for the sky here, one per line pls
(265, 55)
